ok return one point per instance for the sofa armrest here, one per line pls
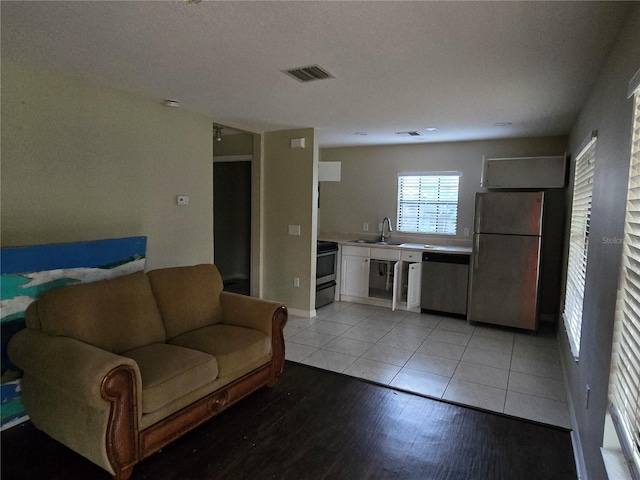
(67, 364)
(251, 312)
(81, 395)
(268, 317)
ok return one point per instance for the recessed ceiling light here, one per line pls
(171, 103)
(431, 129)
(502, 124)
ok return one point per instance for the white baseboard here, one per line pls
(302, 313)
(576, 443)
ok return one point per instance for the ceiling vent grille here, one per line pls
(309, 74)
(408, 134)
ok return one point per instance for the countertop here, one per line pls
(398, 245)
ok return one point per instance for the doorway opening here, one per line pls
(232, 166)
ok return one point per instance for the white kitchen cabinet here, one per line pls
(407, 285)
(385, 254)
(411, 256)
(524, 172)
(414, 286)
(397, 285)
(356, 251)
(355, 276)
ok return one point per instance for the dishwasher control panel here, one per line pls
(459, 259)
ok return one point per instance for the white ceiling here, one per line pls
(399, 66)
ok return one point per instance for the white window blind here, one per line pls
(428, 202)
(624, 391)
(579, 243)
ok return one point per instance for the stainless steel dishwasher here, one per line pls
(445, 279)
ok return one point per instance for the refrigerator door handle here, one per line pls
(476, 242)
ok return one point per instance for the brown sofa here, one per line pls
(116, 369)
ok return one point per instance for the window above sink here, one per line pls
(428, 202)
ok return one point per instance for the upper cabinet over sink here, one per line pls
(524, 172)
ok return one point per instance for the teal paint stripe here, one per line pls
(12, 286)
(12, 409)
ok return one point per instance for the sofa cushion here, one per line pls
(234, 347)
(188, 297)
(169, 372)
(117, 314)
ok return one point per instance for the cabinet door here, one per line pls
(397, 284)
(355, 276)
(414, 286)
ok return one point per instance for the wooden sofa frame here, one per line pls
(126, 446)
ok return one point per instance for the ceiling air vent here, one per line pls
(308, 74)
(408, 134)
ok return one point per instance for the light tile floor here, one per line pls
(489, 367)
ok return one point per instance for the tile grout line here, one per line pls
(413, 351)
(506, 392)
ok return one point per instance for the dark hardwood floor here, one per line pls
(321, 425)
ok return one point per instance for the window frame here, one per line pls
(582, 198)
(624, 379)
(410, 223)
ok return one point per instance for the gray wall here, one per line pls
(608, 110)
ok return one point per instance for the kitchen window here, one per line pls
(579, 242)
(624, 390)
(428, 202)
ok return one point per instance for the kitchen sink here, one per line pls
(417, 246)
(374, 242)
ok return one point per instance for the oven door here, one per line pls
(326, 267)
(325, 294)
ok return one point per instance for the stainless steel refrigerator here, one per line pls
(505, 262)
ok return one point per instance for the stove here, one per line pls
(326, 265)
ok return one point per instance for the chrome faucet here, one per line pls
(383, 237)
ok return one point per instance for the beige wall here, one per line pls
(290, 198)
(83, 162)
(368, 189)
(235, 144)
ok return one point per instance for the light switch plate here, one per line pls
(297, 142)
(182, 200)
(294, 229)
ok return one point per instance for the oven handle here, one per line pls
(324, 254)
